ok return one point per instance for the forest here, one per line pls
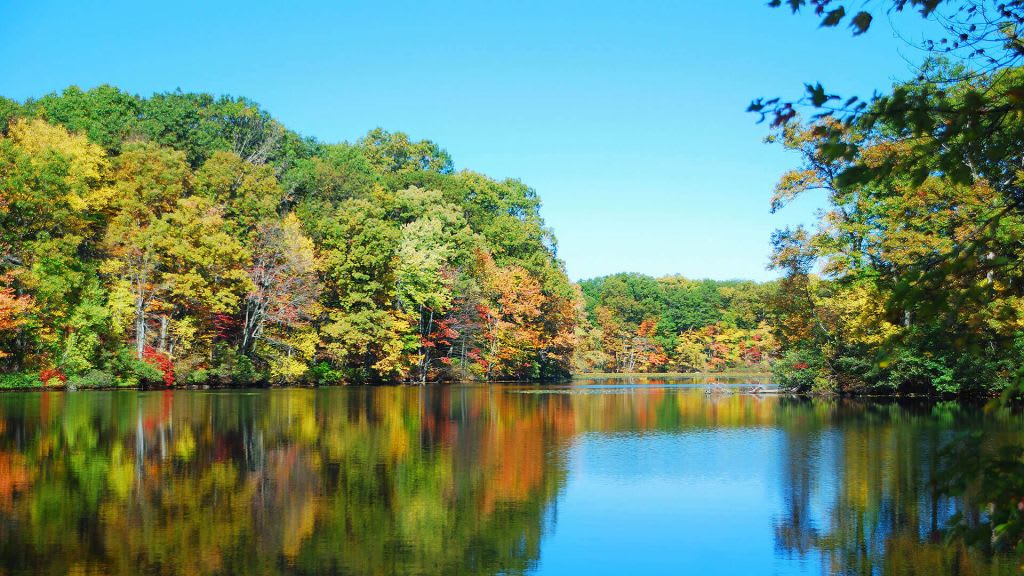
(191, 239)
(635, 323)
(187, 239)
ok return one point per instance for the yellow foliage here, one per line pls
(858, 314)
(87, 162)
(289, 357)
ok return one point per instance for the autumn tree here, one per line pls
(191, 237)
(149, 181)
(359, 327)
(203, 272)
(282, 302)
(13, 314)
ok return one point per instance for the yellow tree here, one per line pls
(149, 180)
(283, 298)
(53, 190)
(203, 276)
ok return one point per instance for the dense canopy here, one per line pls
(185, 238)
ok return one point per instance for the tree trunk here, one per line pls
(163, 334)
(140, 326)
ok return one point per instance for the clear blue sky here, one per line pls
(627, 117)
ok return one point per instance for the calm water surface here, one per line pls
(601, 477)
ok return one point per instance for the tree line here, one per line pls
(188, 239)
(184, 238)
(636, 323)
(911, 280)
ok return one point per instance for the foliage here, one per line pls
(93, 379)
(635, 323)
(161, 362)
(209, 241)
(800, 370)
(900, 305)
(926, 211)
(20, 381)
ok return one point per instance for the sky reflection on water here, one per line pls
(607, 479)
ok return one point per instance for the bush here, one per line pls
(129, 371)
(243, 371)
(160, 361)
(92, 379)
(324, 375)
(800, 371)
(198, 377)
(52, 377)
(227, 368)
(146, 373)
(10, 381)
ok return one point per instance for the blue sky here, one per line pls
(627, 117)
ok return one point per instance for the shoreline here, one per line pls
(560, 382)
(774, 391)
(611, 375)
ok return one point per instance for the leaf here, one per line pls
(833, 17)
(860, 23)
(818, 95)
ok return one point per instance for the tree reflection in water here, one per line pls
(430, 480)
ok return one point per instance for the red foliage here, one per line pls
(47, 374)
(484, 312)
(753, 354)
(224, 325)
(443, 334)
(161, 362)
(12, 308)
(801, 366)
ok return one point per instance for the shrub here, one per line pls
(800, 371)
(161, 362)
(323, 374)
(92, 379)
(146, 373)
(198, 377)
(243, 371)
(9, 381)
(52, 377)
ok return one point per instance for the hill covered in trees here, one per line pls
(189, 239)
(636, 323)
(185, 238)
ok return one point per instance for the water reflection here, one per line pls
(473, 480)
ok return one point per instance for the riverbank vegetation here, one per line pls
(912, 279)
(187, 239)
(924, 232)
(184, 238)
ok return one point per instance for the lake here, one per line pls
(614, 476)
